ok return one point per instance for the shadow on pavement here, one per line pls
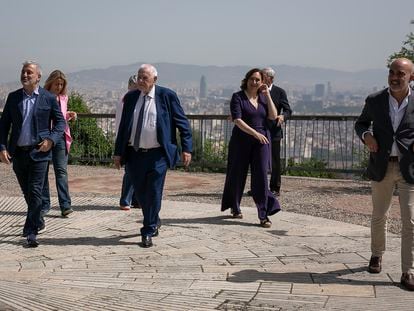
(331, 277)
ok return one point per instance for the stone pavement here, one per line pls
(202, 260)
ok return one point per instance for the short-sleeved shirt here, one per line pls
(241, 108)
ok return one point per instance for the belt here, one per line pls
(145, 149)
(393, 159)
(27, 148)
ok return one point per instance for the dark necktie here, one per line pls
(139, 125)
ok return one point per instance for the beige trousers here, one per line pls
(381, 200)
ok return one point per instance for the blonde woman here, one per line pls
(56, 83)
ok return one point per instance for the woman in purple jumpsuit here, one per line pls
(249, 146)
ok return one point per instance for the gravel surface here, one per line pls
(342, 200)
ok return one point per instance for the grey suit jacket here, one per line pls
(376, 113)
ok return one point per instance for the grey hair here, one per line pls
(269, 71)
(149, 68)
(132, 80)
(36, 64)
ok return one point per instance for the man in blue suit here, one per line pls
(29, 113)
(147, 144)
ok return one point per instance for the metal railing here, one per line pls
(330, 140)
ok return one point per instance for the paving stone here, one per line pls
(202, 260)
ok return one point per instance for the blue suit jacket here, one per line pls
(46, 110)
(170, 117)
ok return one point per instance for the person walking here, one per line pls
(57, 83)
(147, 144)
(26, 139)
(386, 127)
(249, 146)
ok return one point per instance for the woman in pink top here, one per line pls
(56, 83)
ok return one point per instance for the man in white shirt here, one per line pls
(147, 144)
(386, 126)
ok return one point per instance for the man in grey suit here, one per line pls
(386, 126)
(26, 138)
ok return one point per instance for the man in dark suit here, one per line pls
(386, 126)
(284, 111)
(29, 113)
(146, 143)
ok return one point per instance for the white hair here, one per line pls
(36, 64)
(150, 68)
(269, 71)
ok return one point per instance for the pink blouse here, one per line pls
(63, 100)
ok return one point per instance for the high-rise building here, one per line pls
(329, 88)
(319, 90)
(203, 87)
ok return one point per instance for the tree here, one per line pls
(90, 144)
(407, 50)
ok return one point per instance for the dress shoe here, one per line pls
(276, 193)
(31, 240)
(249, 193)
(407, 281)
(146, 241)
(137, 205)
(375, 264)
(67, 211)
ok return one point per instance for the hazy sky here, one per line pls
(79, 34)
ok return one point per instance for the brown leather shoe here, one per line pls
(407, 281)
(375, 264)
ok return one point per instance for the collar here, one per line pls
(152, 92)
(35, 92)
(405, 98)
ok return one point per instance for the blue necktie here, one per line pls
(139, 125)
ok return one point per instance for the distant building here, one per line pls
(329, 89)
(203, 87)
(319, 90)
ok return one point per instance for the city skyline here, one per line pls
(76, 35)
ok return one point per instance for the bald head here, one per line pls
(402, 61)
(400, 74)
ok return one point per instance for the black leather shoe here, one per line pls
(156, 233)
(146, 241)
(407, 281)
(31, 241)
(249, 193)
(375, 264)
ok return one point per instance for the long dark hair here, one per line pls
(243, 85)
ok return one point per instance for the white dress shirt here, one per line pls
(149, 124)
(396, 115)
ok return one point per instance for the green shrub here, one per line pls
(310, 168)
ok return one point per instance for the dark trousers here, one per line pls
(127, 192)
(31, 176)
(245, 151)
(147, 171)
(275, 179)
